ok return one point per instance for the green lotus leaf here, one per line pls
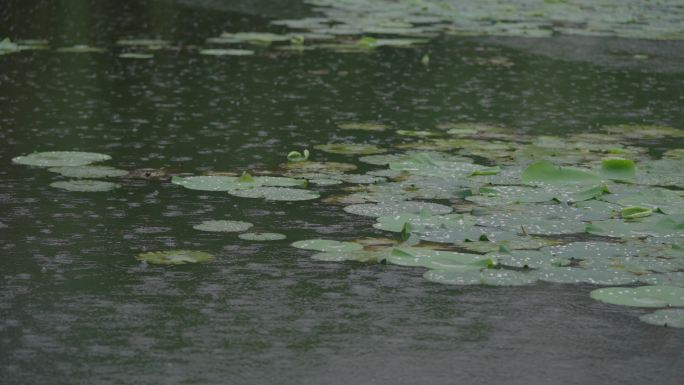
(532, 259)
(60, 158)
(262, 236)
(81, 48)
(490, 277)
(668, 201)
(396, 207)
(673, 318)
(420, 221)
(256, 37)
(223, 226)
(437, 259)
(296, 156)
(636, 265)
(136, 55)
(654, 225)
(143, 42)
(350, 148)
(642, 296)
(633, 212)
(174, 257)
(582, 275)
(547, 172)
(89, 171)
(231, 183)
(325, 182)
(666, 279)
(226, 52)
(362, 126)
(618, 168)
(318, 167)
(327, 245)
(85, 185)
(275, 193)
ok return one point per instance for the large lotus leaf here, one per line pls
(491, 277)
(350, 148)
(85, 185)
(637, 265)
(356, 256)
(148, 43)
(668, 279)
(673, 318)
(136, 55)
(655, 226)
(518, 243)
(262, 236)
(89, 171)
(60, 158)
(527, 259)
(436, 259)
(507, 195)
(397, 207)
(174, 257)
(582, 275)
(228, 183)
(226, 52)
(420, 221)
(223, 226)
(465, 233)
(642, 296)
(542, 219)
(318, 167)
(206, 183)
(547, 172)
(360, 179)
(256, 37)
(594, 250)
(275, 193)
(81, 48)
(663, 172)
(618, 168)
(426, 165)
(327, 245)
(668, 201)
(362, 126)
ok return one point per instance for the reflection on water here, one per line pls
(77, 307)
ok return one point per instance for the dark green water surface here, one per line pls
(77, 308)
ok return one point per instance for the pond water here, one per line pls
(77, 307)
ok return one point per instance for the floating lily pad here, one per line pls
(319, 167)
(85, 185)
(275, 193)
(350, 148)
(642, 296)
(262, 236)
(526, 259)
(397, 207)
(136, 55)
(436, 259)
(673, 318)
(327, 245)
(547, 172)
(230, 183)
(618, 168)
(667, 279)
(89, 171)
(582, 275)
(223, 226)
(60, 158)
(362, 126)
(490, 277)
(174, 257)
(226, 52)
(143, 42)
(81, 48)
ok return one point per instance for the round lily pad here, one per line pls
(136, 55)
(262, 236)
(581, 275)
(436, 259)
(491, 277)
(327, 245)
(85, 185)
(226, 52)
(642, 296)
(223, 226)
(318, 167)
(174, 257)
(60, 158)
(350, 148)
(276, 193)
(89, 171)
(673, 318)
(396, 208)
